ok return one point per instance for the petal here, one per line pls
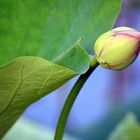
(133, 34)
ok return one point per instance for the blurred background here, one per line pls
(102, 104)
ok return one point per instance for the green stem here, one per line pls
(71, 99)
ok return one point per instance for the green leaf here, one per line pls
(27, 79)
(47, 28)
(75, 58)
(128, 129)
(24, 81)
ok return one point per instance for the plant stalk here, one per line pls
(71, 99)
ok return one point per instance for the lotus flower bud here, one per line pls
(118, 48)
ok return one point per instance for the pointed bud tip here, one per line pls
(127, 32)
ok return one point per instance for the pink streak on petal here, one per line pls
(129, 34)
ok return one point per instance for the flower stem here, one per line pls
(71, 99)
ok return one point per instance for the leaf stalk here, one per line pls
(71, 99)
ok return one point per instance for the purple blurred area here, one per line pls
(105, 99)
